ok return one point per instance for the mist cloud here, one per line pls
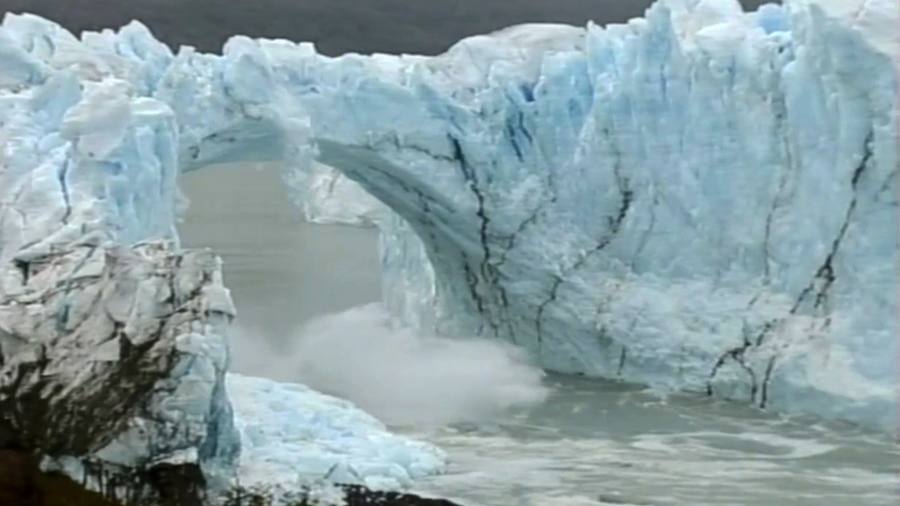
(399, 376)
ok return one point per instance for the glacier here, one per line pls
(702, 199)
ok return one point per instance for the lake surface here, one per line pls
(588, 443)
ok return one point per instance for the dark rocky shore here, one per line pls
(23, 484)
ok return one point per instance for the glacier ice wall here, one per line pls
(702, 199)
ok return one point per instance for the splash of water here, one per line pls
(400, 376)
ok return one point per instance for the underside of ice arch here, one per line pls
(704, 199)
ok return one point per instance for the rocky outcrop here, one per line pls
(112, 364)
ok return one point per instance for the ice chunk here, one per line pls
(292, 434)
(326, 196)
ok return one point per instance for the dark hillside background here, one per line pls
(336, 26)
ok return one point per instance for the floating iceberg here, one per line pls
(702, 199)
(293, 435)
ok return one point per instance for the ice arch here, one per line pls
(643, 201)
(703, 199)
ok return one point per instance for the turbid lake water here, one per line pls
(566, 441)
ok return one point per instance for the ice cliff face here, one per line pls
(703, 199)
(112, 361)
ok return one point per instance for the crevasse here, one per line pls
(702, 199)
